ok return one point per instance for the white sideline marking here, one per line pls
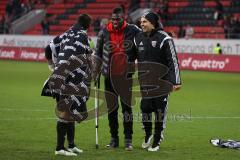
(177, 119)
(29, 110)
(26, 119)
(213, 117)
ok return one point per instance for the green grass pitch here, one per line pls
(207, 106)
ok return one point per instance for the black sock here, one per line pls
(156, 140)
(147, 137)
(71, 134)
(61, 132)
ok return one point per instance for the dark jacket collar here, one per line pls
(152, 32)
(77, 27)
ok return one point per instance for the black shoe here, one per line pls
(155, 146)
(128, 145)
(114, 143)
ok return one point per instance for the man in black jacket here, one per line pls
(73, 44)
(157, 54)
(115, 48)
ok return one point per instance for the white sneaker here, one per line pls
(75, 150)
(65, 153)
(148, 143)
(153, 149)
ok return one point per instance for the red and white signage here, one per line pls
(25, 41)
(209, 62)
(198, 46)
(204, 62)
(22, 53)
(206, 46)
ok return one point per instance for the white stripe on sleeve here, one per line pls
(175, 63)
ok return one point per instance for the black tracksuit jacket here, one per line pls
(158, 47)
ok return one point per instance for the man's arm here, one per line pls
(48, 56)
(99, 45)
(136, 31)
(55, 47)
(48, 53)
(52, 50)
(172, 63)
(97, 57)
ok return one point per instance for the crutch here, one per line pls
(96, 102)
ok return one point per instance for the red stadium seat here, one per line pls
(173, 10)
(67, 22)
(77, 1)
(55, 11)
(212, 36)
(178, 4)
(172, 28)
(237, 15)
(59, 28)
(208, 29)
(213, 3)
(180, 12)
(62, 6)
(110, 1)
(95, 11)
(102, 5)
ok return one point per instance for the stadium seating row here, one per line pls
(199, 14)
(66, 13)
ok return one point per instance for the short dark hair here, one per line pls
(84, 20)
(117, 10)
(48, 52)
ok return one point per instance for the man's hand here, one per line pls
(96, 65)
(176, 87)
(51, 65)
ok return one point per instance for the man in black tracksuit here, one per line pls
(74, 42)
(156, 48)
(115, 48)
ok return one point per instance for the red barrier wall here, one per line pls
(204, 62)
(210, 62)
(22, 53)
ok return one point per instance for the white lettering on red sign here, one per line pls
(186, 62)
(28, 55)
(7, 54)
(41, 56)
(204, 64)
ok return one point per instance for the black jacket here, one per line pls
(104, 46)
(72, 42)
(158, 47)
